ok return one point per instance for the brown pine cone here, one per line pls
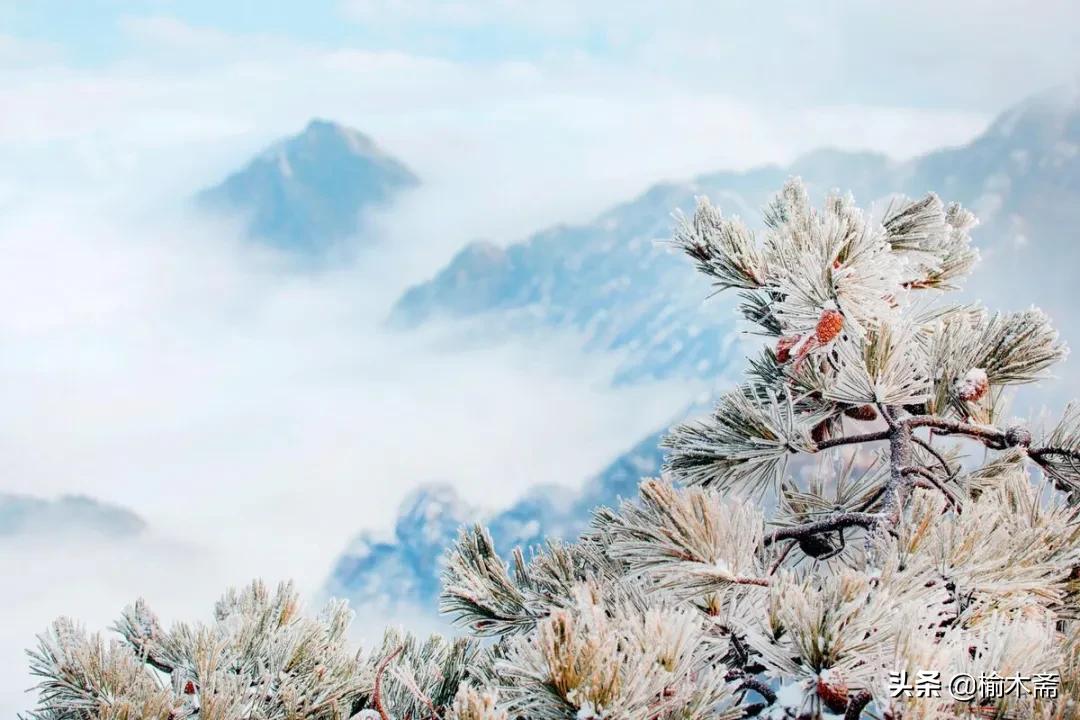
(862, 413)
(828, 326)
(832, 690)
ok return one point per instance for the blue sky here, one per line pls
(969, 53)
(91, 32)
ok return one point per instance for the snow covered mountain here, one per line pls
(307, 193)
(25, 515)
(404, 571)
(611, 280)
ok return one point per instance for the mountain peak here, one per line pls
(1046, 116)
(323, 131)
(318, 124)
(24, 514)
(307, 192)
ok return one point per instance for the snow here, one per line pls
(283, 165)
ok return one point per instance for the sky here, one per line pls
(256, 415)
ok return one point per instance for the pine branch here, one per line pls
(950, 474)
(838, 521)
(477, 589)
(745, 442)
(934, 482)
(376, 695)
(857, 704)
(990, 436)
(749, 682)
(722, 248)
(782, 556)
(851, 440)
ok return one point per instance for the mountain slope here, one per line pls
(307, 192)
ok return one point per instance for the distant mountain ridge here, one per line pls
(24, 515)
(307, 193)
(610, 279)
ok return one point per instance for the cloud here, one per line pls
(20, 52)
(922, 54)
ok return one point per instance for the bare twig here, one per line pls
(886, 413)
(783, 556)
(1038, 454)
(376, 695)
(152, 661)
(949, 472)
(852, 439)
(749, 682)
(857, 704)
(1043, 458)
(990, 436)
(934, 483)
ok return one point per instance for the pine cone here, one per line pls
(862, 413)
(784, 346)
(832, 690)
(817, 545)
(828, 326)
(973, 385)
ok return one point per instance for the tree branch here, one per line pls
(749, 682)
(934, 482)
(1037, 454)
(376, 695)
(142, 646)
(1071, 458)
(852, 440)
(783, 556)
(949, 472)
(897, 486)
(834, 522)
(857, 704)
(990, 436)
(887, 414)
